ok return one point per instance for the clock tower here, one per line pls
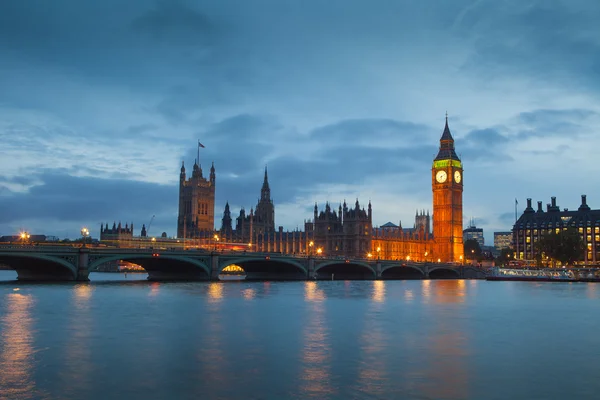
(447, 186)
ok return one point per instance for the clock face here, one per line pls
(457, 176)
(441, 176)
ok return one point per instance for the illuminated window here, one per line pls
(589, 238)
(580, 230)
(528, 239)
(597, 230)
(557, 230)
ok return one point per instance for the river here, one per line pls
(127, 338)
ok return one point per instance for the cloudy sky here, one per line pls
(101, 101)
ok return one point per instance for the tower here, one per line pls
(447, 186)
(196, 203)
(265, 210)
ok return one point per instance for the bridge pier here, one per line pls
(311, 274)
(214, 267)
(378, 270)
(83, 262)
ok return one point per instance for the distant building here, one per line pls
(117, 232)
(196, 204)
(532, 225)
(472, 232)
(502, 240)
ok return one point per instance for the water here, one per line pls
(298, 340)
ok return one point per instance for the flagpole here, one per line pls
(198, 152)
(516, 203)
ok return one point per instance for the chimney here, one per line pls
(547, 206)
(553, 199)
(540, 207)
(584, 206)
(528, 203)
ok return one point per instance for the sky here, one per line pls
(100, 102)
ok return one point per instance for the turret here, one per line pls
(265, 191)
(143, 234)
(182, 174)
(370, 211)
(316, 212)
(584, 206)
(212, 174)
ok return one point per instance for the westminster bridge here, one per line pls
(67, 263)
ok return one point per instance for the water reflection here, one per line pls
(77, 374)
(249, 293)
(215, 292)
(154, 289)
(312, 292)
(446, 345)
(378, 291)
(372, 368)
(316, 356)
(590, 290)
(17, 356)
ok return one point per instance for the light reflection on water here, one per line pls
(17, 352)
(300, 340)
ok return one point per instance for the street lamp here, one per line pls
(216, 237)
(84, 234)
(319, 251)
(378, 250)
(310, 247)
(24, 236)
(369, 255)
(425, 256)
(461, 260)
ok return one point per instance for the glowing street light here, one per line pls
(216, 237)
(407, 258)
(461, 259)
(378, 250)
(84, 234)
(369, 255)
(24, 236)
(319, 251)
(310, 247)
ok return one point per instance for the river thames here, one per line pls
(127, 338)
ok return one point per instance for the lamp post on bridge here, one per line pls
(24, 237)
(378, 251)
(84, 234)
(216, 238)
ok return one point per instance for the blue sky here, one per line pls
(101, 101)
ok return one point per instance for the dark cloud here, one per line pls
(89, 200)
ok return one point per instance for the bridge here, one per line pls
(66, 263)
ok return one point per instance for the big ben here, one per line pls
(447, 186)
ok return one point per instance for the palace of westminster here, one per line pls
(345, 232)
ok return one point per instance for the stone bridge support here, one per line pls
(83, 262)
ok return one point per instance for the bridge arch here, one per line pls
(267, 267)
(443, 273)
(402, 272)
(53, 268)
(344, 270)
(163, 266)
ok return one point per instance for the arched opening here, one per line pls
(402, 273)
(444, 273)
(271, 270)
(232, 272)
(37, 268)
(160, 267)
(344, 271)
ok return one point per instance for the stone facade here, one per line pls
(196, 204)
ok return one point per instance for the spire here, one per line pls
(446, 151)
(265, 191)
(182, 167)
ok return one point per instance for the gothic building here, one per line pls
(196, 203)
(259, 222)
(447, 187)
(117, 232)
(345, 233)
(349, 232)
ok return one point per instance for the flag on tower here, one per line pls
(516, 201)
(200, 144)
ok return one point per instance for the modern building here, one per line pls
(196, 218)
(473, 232)
(532, 225)
(502, 240)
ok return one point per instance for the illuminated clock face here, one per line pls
(457, 176)
(441, 176)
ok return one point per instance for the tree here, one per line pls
(472, 249)
(505, 256)
(566, 246)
